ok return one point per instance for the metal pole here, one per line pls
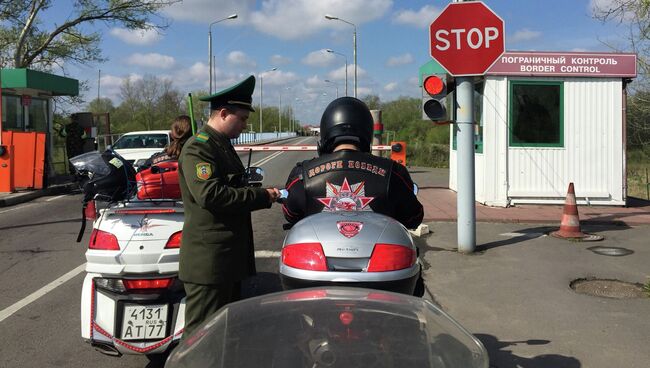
(346, 76)
(280, 112)
(261, 92)
(465, 167)
(210, 56)
(99, 81)
(355, 61)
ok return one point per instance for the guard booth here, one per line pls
(26, 125)
(544, 120)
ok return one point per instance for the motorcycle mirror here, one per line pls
(255, 175)
(416, 189)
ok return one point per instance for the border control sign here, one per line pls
(467, 38)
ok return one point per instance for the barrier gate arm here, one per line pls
(397, 149)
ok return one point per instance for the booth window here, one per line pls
(12, 113)
(536, 114)
(38, 113)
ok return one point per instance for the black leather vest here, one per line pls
(347, 180)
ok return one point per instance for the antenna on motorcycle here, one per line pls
(250, 155)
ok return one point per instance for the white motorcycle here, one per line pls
(132, 301)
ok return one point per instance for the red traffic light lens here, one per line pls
(434, 85)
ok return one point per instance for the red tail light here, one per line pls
(102, 240)
(147, 284)
(305, 256)
(391, 257)
(174, 240)
(90, 211)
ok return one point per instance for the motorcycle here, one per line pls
(331, 327)
(132, 301)
(349, 246)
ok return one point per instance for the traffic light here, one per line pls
(437, 98)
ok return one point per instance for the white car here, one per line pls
(137, 147)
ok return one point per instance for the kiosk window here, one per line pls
(12, 113)
(536, 114)
(38, 114)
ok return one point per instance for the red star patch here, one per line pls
(345, 197)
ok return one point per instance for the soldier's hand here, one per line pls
(274, 194)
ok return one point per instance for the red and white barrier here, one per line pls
(296, 148)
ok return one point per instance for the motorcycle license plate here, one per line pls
(142, 322)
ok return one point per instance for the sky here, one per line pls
(292, 36)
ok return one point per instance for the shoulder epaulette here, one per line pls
(202, 137)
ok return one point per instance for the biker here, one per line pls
(346, 176)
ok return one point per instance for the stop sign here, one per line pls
(467, 38)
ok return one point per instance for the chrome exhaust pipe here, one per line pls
(106, 349)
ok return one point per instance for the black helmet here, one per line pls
(345, 119)
(111, 177)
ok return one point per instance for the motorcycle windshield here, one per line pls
(330, 327)
(90, 162)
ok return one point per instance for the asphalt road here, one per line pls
(37, 247)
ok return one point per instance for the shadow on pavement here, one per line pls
(261, 284)
(526, 234)
(502, 358)
(77, 220)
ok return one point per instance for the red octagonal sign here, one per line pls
(467, 38)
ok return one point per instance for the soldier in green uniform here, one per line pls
(217, 246)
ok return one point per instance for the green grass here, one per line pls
(638, 173)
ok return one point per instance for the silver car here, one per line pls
(350, 248)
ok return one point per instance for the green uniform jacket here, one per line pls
(217, 241)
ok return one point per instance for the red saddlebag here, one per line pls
(160, 181)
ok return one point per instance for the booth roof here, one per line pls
(51, 84)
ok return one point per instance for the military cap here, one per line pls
(240, 94)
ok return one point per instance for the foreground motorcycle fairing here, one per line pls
(330, 327)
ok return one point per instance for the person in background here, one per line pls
(346, 176)
(181, 131)
(217, 244)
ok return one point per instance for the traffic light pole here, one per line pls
(465, 164)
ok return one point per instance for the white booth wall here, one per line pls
(592, 155)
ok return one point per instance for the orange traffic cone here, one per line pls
(570, 224)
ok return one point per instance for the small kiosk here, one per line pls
(26, 125)
(546, 119)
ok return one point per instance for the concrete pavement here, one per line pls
(514, 293)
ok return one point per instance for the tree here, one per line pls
(147, 104)
(25, 41)
(101, 106)
(636, 15)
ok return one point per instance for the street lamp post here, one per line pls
(280, 110)
(346, 68)
(232, 16)
(262, 94)
(354, 44)
(335, 85)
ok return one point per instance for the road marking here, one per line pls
(17, 208)
(267, 159)
(5, 313)
(57, 197)
(267, 254)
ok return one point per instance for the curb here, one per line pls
(17, 198)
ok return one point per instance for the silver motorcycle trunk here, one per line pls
(349, 240)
